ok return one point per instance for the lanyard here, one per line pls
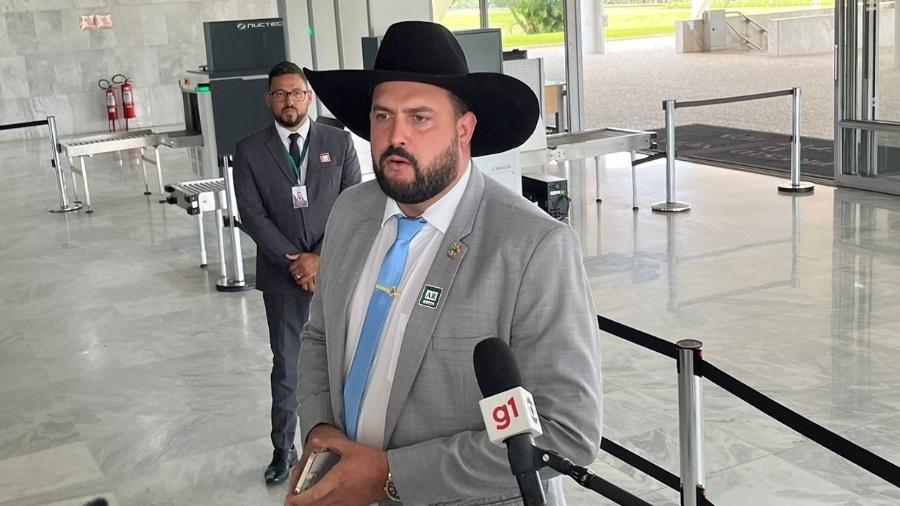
(302, 157)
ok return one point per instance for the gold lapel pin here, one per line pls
(455, 249)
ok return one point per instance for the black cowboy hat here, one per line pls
(422, 52)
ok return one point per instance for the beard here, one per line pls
(287, 121)
(427, 183)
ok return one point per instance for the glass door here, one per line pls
(867, 95)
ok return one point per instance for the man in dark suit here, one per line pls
(287, 177)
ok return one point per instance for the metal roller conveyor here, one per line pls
(565, 147)
(205, 195)
(110, 143)
(198, 197)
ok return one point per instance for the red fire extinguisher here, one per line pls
(112, 110)
(128, 105)
(126, 86)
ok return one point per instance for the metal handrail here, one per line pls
(741, 36)
(875, 126)
(748, 19)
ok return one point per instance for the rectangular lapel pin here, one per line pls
(325, 158)
(431, 296)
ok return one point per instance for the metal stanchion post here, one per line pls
(634, 205)
(64, 206)
(795, 241)
(238, 283)
(162, 193)
(796, 185)
(203, 262)
(144, 172)
(220, 237)
(690, 423)
(670, 205)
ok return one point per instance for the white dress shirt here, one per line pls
(422, 251)
(284, 134)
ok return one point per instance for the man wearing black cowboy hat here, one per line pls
(417, 268)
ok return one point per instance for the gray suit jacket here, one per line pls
(262, 184)
(519, 277)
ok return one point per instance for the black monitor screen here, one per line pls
(244, 45)
(483, 49)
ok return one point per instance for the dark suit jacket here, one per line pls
(262, 184)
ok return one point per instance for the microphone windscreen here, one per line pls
(495, 367)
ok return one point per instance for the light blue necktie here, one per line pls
(379, 305)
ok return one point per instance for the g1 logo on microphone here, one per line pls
(501, 413)
(504, 415)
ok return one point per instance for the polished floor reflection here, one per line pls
(123, 373)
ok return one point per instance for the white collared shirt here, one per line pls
(422, 251)
(284, 135)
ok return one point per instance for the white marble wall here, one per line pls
(801, 35)
(689, 36)
(689, 33)
(48, 66)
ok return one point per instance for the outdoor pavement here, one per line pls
(626, 86)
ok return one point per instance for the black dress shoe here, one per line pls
(280, 467)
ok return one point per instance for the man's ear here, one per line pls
(465, 129)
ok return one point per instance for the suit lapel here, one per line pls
(423, 320)
(313, 162)
(358, 245)
(276, 149)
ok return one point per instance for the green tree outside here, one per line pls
(624, 21)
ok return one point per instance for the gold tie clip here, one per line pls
(392, 290)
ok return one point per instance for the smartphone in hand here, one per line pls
(319, 463)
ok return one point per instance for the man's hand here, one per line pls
(358, 478)
(304, 268)
(320, 431)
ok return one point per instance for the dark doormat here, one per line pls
(749, 149)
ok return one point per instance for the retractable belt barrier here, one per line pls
(671, 205)
(701, 368)
(64, 205)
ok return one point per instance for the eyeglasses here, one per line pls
(281, 95)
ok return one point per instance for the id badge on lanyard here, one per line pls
(299, 196)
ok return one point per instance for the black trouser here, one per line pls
(286, 315)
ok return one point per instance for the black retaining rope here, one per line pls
(26, 124)
(637, 337)
(838, 445)
(641, 464)
(650, 469)
(649, 158)
(831, 441)
(728, 100)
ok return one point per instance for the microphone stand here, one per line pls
(586, 478)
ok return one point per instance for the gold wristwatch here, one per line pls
(390, 489)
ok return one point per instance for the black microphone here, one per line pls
(513, 421)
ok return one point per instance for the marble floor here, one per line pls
(124, 374)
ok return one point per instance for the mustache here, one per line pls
(398, 151)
